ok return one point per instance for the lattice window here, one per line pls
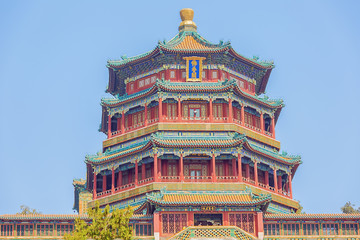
(172, 169)
(203, 74)
(172, 74)
(25, 230)
(153, 79)
(245, 225)
(147, 81)
(349, 229)
(183, 74)
(291, 229)
(186, 170)
(141, 83)
(186, 110)
(244, 221)
(214, 75)
(44, 229)
(173, 223)
(143, 230)
(219, 169)
(311, 229)
(6, 230)
(165, 223)
(184, 220)
(271, 229)
(251, 223)
(204, 170)
(177, 223)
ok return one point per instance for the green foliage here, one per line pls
(104, 225)
(349, 208)
(300, 210)
(26, 210)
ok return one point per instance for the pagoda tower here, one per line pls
(190, 140)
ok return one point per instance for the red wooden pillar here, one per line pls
(279, 178)
(155, 168)
(211, 116)
(239, 168)
(160, 110)
(247, 171)
(242, 115)
(226, 219)
(230, 117)
(104, 183)
(109, 126)
(233, 163)
(191, 219)
(262, 123)
(159, 169)
(112, 180)
(94, 185)
(119, 183)
(143, 171)
(256, 174)
(118, 124)
(290, 185)
(275, 181)
(157, 225)
(267, 178)
(123, 122)
(146, 116)
(213, 169)
(260, 225)
(181, 167)
(227, 168)
(272, 127)
(179, 109)
(136, 173)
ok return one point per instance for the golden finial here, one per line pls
(187, 24)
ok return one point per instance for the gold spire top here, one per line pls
(187, 24)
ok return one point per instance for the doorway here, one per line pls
(207, 219)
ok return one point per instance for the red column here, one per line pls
(256, 173)
(213, 169)
(211, 116)
(143, 171)
(94, 186)
(233, 163)
(112, 180)
(247, 171)
(260, 225)
(159, 169)
(136, 173)
(123, 122)
(272, 127)
(145, 115)
(156, 225)
(230, 117)
(275, 181)
(226, 219)
(118, 124)
(191, 219)
(290, 185)
(267, 178)
(279, 178)
(242, 114)
(227, 168)
(104, 183)
(262, 123)
(239, 168)
(181, 167)
(155, 168)
(119, 179)
(109, 126)
(160, 110)
(179, 110)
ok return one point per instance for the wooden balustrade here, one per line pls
(146, 180)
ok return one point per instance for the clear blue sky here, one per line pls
(53, 75)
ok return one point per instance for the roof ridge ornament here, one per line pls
(187, 24)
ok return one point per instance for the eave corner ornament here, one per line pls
(194, 69)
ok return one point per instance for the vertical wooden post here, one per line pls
(211, 116)
(233, 163)
(181, 168)
(247, 171)
(260, 225)
(155, 168)
(159, 169)
(118, 124)
(109, 126)
(242, 115)
(230, 117)
(190, 219)
(179, 110)
(275, 181)
(239, 168)
(256, 174)
(226, 219)
(119, 178)
(279, 178)
(157, 225)
(160, 110)
(104, 183)
(123, 122)
(94, 186)
(272, 127)
(227, 168)
(112, 180)
(146, 116)
(136, 173)
(267, 178)
(290, 184)
(213, 168)
(143, 171)
(262, 123)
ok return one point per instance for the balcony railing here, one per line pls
(118, 132)
(220, 119)
(197, 178)
(237, 121)
(146, 180)
(104, 193)
(170, 178)
(252, 127)
(227, 178)
(124, 187)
